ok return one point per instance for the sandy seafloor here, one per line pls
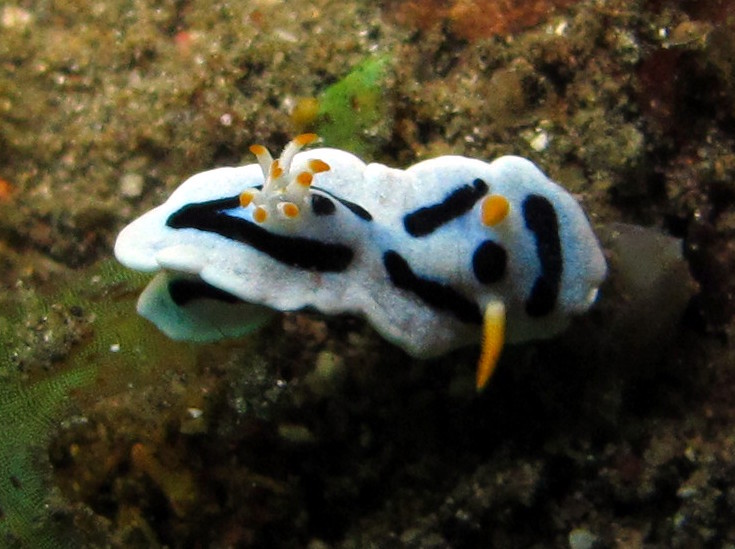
(314, 432)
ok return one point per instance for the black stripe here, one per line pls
(305, 253)
(489, 262)
(356, 209)
(321, 205)
(541, 220)
(429, 218)
(184, 290)
(435, 294)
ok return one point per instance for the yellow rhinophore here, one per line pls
(493, 337)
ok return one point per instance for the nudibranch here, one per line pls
(446, 253)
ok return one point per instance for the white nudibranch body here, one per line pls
(447, 253)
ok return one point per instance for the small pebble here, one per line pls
(581, 538)
(540, 141)
(195, 413)
(15, 17)
(131, 185)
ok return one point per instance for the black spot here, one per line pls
(15, 481)
(356, 209)
(426, 220)
(305, 253)
(185, 290)
(435, 294)
(541, 220)
(321, 205)
(489, 262)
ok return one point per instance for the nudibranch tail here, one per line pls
(493, 337)
(283, 192)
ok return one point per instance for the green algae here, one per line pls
(107, 350)
(352, 110)
(27, 416)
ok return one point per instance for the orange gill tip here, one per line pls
(246, 197)
(289, 209)
(318, 166)
(258, 150)
(276, 170)
(493, 337)
(495, 208)
(305, 139)
(260, 214)
(304, 179)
